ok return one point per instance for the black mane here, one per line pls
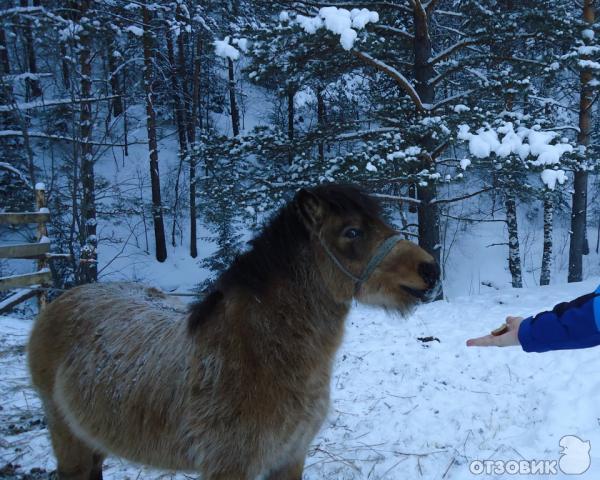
(274, 250)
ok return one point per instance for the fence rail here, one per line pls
(18, 218)
(25, 250)
(40, 252)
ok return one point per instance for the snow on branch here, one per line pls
(19, 133)
(24, 76)
(443, 55)
(537, 147)
(20, 10)
(17, 172)
(339, 21)
(50, 103)
(225, 49)
(399, 31)
(400, 79)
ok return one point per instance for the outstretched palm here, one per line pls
(510, 338)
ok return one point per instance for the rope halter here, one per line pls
(382, 251)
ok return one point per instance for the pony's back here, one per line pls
(133, 372)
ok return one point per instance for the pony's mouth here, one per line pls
(423, 295)
(420, 294)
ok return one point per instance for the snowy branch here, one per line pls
(18, 173)
(464, 197)
(399, 31)
(443, 55)
(451, 99)
(396, 198)
(50, 103)
(364, 133)
(400, 79)
(19, 133)
(20, 10)
(351, 5)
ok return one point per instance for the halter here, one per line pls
(382, 251)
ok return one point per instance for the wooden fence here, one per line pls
(30, 284)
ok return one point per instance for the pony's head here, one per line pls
(360, 255)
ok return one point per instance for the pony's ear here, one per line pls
(311, 208)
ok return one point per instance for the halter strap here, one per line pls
(382, 251)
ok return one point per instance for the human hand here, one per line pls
(510, 338)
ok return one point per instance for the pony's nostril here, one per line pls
(430, 273)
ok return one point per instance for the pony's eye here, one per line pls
(352, 233)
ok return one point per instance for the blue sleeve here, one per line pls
(571, 325)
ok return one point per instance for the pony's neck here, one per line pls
(313, 320)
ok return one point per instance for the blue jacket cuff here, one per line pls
(525, 337)
(597, 309)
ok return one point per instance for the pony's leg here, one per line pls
(291, 471)
(227, 476)
(96, 473)
(75, 459)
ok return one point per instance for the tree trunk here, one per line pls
(514, 257)
(180, 123)
(115, 86)
(4, 60)
(66, 74)
(235, 114)
(578, 244)
(193, 120)
(89, 240)
(321, 122)
(291, 93)
(428, 214)
(548, 227)
(33, 85)
(157, 213)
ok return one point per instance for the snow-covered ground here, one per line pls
(402, 409)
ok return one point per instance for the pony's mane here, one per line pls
(273, 252)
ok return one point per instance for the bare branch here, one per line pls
(464, 197)
(400, 79)
(399, 31)
(444, 54)
(451, 99)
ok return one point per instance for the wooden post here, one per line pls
(42, 237)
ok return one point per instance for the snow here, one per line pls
(225, 50)
(461, 108)
(589, 64)
(339, 21)
(464, 163)
(401, 408)
(309, 24)
(370, 167)
(40, 186)
(304, 96)
(505, 141)
(588, 34)
(135, 30)
(242, 43)
(16, 171)
(550, 177)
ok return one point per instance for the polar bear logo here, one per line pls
(574, 455)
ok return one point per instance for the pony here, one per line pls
(237, 386)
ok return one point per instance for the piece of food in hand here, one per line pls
(501, 330)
